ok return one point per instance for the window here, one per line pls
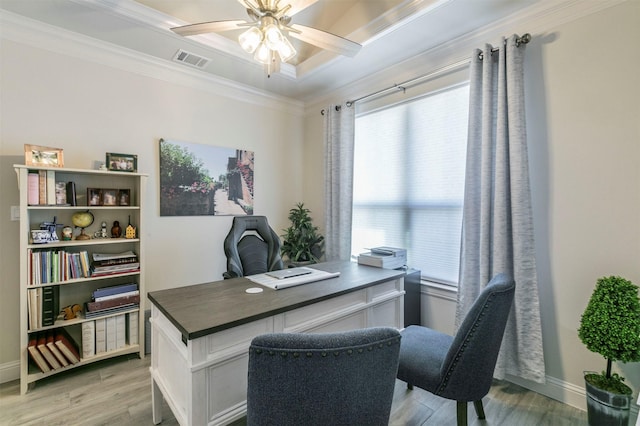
(409, 180)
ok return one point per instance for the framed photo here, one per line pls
(109, 197)
(122, 162)
(124, 197)
(43, 156)
(94, 196)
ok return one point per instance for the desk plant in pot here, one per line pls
(302, 244)
(610, 326)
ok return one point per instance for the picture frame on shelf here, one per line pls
(121, 162)
(43, 156)
(124, 197)
(94, 196)
(109, 197)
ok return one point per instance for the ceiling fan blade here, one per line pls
(325, 40)
(208, 27)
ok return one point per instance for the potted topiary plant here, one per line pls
(301, 242)
(610, 326)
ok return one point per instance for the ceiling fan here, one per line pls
(264, 35)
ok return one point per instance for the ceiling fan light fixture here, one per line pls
(250, 39)
(263, 54)
(272, 36)
(286, 50)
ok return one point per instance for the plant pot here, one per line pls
(300, 263)
(605, 408)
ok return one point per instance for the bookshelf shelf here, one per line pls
(44, 309)
(79, 320)
(92, 242)
(84, 280)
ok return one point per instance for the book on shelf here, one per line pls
(115, 262)
(132, 298)
(34, 308)
(46, 353)
(121, 331)
(42, 187)
(101, 335)
(50, 304)
(99, 257)
(132, 328)
(33, 185)
(109, 311)
(116, 289)
(111, 333)
(51, 344)
(98, 271)
(88, 339)
(67, 345)
(71, 194)
(51, 188)
(116, 296)
(35, 354)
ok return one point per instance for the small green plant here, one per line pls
(301, 241)
(610, 326)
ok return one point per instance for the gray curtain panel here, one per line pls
(497, 229)
(339, 123)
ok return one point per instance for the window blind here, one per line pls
(409, 180)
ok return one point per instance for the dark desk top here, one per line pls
(202, 309)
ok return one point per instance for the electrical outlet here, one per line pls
(15, 213)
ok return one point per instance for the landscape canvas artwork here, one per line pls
(199, 180)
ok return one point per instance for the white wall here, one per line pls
(583, 119)
(54, 97)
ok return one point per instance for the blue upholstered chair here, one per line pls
(344, 378)
(460, 367)
(251, 247)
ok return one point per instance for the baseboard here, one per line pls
(9, 371)
(565, 392)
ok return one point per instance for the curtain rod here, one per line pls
(526, 38)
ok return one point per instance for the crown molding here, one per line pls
(26, 31)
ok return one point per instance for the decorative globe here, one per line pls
(82, 220)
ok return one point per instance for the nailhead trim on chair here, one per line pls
(464, 345)
(324, 354)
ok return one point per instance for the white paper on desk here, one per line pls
(277, 284)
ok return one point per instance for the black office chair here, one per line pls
(344, 378)
(460, 367)
(252, 247)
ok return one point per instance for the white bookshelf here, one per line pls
(79, 290)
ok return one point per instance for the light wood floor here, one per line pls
(118, 392)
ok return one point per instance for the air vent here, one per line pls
(191, 59)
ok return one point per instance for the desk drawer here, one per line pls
(328, 309)
(386, 289)
(231, 342)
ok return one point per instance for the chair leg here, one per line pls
(409, 386)
(479, 409)
(461, 412)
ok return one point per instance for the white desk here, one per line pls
(200, 334)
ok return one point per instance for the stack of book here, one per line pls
(109, 264)
(53, 349)
(384, 257)
(111, 300)
(53, 266)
